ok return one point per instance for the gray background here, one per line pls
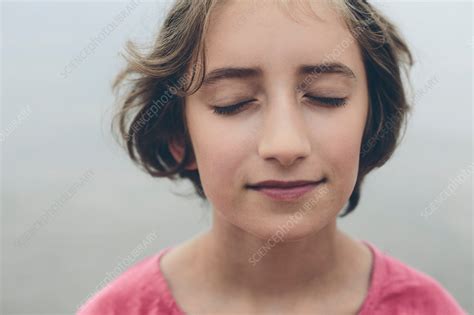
(55, 129)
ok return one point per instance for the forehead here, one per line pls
(275, 32)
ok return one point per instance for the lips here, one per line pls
(285, 191)
(282, 184)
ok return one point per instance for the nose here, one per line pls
(284, 136)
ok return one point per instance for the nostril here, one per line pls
(286, 151)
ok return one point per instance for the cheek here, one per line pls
(220, 147)
(341, 150)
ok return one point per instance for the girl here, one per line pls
(276, 111)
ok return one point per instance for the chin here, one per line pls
(275, 223)
(289, 228)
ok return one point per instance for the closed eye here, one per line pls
(231, 109)
(326, 101)
(330, 101)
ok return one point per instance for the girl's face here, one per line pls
(280, 133)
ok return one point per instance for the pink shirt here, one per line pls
(395, 288)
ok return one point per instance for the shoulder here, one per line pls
(401, 289)
(141, 288)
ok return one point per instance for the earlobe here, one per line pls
(177, 150)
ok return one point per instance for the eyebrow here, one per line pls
(334, 67)
(230, 73)
(219, 74)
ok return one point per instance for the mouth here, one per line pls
(284, 190)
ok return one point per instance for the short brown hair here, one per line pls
(151, 111)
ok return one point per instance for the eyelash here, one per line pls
(228, 110)
(330, 101)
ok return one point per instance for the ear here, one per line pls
(177, 150)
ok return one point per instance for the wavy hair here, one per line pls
(154, 83)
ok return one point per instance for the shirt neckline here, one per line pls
(167, 295)
(376, 274)
(367, 304)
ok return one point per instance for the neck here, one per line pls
(248, 264)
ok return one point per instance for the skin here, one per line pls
(313, 267)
